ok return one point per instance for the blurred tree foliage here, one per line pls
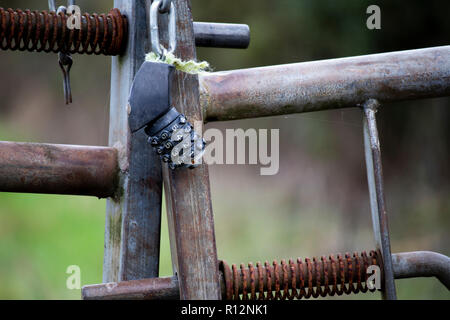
(415, 138)
(287, 31)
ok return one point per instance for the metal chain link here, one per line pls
(154, 28)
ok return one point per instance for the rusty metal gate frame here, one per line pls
(130, 175)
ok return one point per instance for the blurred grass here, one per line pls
(41, 235)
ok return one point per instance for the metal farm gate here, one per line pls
(130, 175)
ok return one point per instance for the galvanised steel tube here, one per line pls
(422, 264)
(58, 169)
(326, 84)
(221, 35)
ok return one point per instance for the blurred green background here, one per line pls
(316, 205)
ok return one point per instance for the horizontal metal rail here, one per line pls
(165, 288)
(147, 289)
(422, 264)
(406, 265)
(326, 84)
(58, 169)
(221, 35)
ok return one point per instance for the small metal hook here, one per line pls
(64, 59)
(65, 63)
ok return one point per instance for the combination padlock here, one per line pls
(171, 135)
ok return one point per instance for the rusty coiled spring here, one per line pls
(298, 279)
(48, 32)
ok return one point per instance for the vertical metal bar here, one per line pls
(133, 219)
(51, 5)
(376, 193)
(188, 195)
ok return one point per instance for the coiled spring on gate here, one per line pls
(300, 279)
(48, 32)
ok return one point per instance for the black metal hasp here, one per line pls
(170, 134)
(150, 94)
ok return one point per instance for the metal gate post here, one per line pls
(188, 198)
(376, 194)
(133, 217)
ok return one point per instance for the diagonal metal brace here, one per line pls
(376, 193)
